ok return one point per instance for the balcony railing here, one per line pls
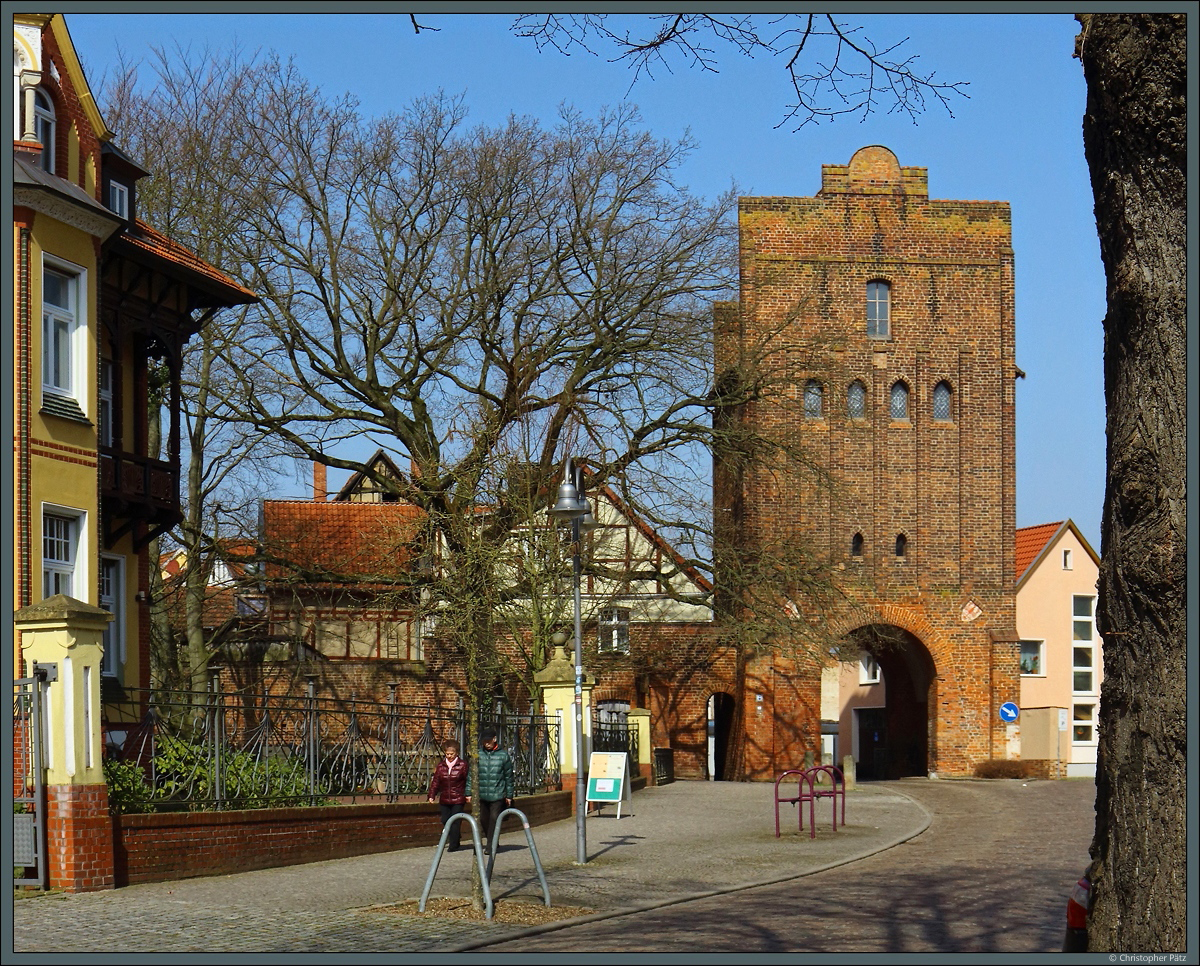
(138, 479)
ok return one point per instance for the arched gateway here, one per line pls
(891, 732)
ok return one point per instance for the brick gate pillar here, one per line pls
(65, 636)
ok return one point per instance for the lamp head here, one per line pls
(567, 508)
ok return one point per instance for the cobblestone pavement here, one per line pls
(991, 874)
(683, 840)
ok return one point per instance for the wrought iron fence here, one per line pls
(192, 750)
(616, 736)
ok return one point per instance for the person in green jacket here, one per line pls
(493, 780)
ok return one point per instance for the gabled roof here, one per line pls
(381, 463)
(219, 289)
(1032, 543)
(331, 540)
(656, 540)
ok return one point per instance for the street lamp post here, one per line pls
(571, 507)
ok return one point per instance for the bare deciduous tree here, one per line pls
(193, 196)
(833, 68)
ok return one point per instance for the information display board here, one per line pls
(608, 778)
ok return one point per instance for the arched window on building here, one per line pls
(942, 399)
(879, 304)
(814, 399)
(856, 400)
(901, 545)
(44, 125)
(856, 545)
(898, 404)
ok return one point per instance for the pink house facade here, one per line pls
(1061, 651)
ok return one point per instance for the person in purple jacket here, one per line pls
(449, 787)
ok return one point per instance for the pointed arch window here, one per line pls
(942, 400)
(879, 306)
(814, 399)
(898, 404)
(856, 400)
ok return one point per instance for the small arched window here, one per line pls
(814, 399)
(898, 404)
(901, 545)
(942, 398)
(856, 545)
(44, 126)
(879, 302)
(856, 400)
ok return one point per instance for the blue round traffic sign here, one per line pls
(1009, 711)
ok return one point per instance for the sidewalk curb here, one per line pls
(691, 897)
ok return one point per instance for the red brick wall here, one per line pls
(181, 845)
(69, 115)
(79, 844)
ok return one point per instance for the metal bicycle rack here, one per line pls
(537, 862)
(485, 875)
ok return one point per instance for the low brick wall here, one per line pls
(1046, 768)
(180, 845)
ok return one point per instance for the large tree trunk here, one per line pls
(1135, 140)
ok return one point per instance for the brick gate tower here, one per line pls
(897, 316)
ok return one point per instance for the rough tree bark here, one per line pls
(1135, 141)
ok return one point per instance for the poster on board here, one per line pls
(608, 778)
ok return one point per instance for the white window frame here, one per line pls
(75, 568)
(45, 125)
(1067, 560)
(614, 630)
(76, 317)
(1083, 646)
(112, 599)
(118, 198)
(1091, 722)
(868, 669)
(1041, 658)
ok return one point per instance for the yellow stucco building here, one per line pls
(101, 299)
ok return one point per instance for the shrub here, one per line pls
(1002, 768)
(185, 777)
(128, 791)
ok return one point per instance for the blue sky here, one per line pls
(1016, 138)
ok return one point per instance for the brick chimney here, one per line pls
(319, 487)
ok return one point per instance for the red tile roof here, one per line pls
(156, 243)
(1031, 541)
(355, 540)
